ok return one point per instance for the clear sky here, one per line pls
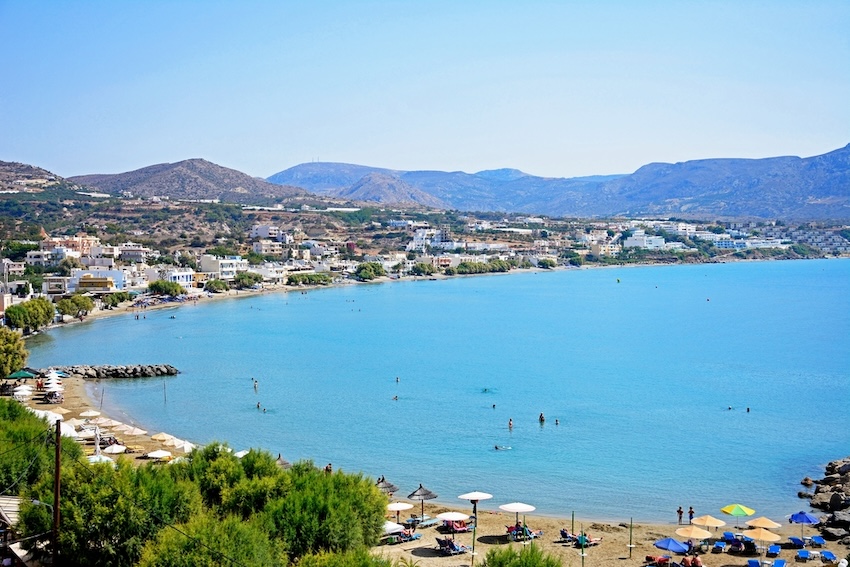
(555, 88)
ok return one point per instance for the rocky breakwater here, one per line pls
(832, 494)
(108, 371)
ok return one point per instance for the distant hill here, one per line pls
(190, 179)
(14, 175)
(387, 189)
(782, 187)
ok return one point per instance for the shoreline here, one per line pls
(87, 394)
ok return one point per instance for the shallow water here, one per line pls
(639, 365)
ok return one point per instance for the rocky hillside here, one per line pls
(17, 176)
(794, 188)
(195, 179)
(387, 189)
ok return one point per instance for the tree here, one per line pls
(13, 352)
(30, 315)
(247, 279)
(216, 286)
(83, 304)
(68, 264)
(162, 287)
(369, 271)
(546, 263)
(423, 269)
(17, 317)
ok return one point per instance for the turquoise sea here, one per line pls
(639, 365)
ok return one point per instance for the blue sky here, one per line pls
(553, 88)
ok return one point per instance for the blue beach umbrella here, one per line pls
(670, 544)
(803, 518)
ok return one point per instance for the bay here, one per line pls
(639, 366)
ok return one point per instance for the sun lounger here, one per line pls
(425, 521)
(818, 541)
(736, 545)
(457, 527)
(773, 551)
(779, 563)
(657, 560)
(567, 537)
(729, 537)
(457, 548)
(718, 547)
(797, 542)
(753, 563)
(803, 555)
(584, 541)
(828, 557)
(406, 536)
(528, 533)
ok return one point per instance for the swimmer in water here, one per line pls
(510, 423)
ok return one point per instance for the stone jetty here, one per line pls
(109, 371)
(832, 494)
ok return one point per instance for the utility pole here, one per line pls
(57, 462)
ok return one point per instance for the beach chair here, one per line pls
(779, 563)
(426, 521)
(443, 544)
(737, 546)
(528, 533)
(797, 542)
(458, 527)
(753, 563)
(718, 547)
(773, 551)
(566, 536)
(803, 555)
(818, 541)
(657, 560)
(729, 537)
(828, 557)
(457, 548)
(407, 535)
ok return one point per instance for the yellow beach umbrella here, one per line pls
(693, 532)
(762, 535)
(708, 521)
(737, 510)
(762, 522)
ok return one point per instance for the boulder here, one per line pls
(807, 481)
(834, 533)
(839, 520)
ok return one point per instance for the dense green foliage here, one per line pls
(30, 315)
(526, 556)
(115, 299)
(13, 352)
(247, 279)
(422, 269)
(546, 263)
(369, 271)
(483, 268)
(216, 286)
(17, 251)
(309, 279)
(162, 287)
(75, 305)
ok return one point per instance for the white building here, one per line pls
(266, 231)
(267, 247)
(223, 268)
(639, 239)
(118, 278)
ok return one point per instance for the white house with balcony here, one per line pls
(223, 268)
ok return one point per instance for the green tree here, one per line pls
(546, 263)
(83, 304)
(68, 264)
(369, 271)
(17, 317)
(207, 541)
(162, 287)
(13, 352)
(216, 286)
(423, 269)
(247, 279)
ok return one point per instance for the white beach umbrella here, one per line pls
(398, 507)
(517, 507)
(66, 430)
(475, 497)
(75, 422)
(99, 459)
(163, 436)
(115, 449)
(60, 410)
(86, 433)
(187, 447)
(392, 528)
(175, 442)
(90, 413)
(159, 454)
(22, 388)
(54, 389)
(237, 454)
(134, 431)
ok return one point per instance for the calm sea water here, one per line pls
(639, 365)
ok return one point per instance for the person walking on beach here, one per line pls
(680, 512)
(690, 514)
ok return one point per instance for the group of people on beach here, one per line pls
(680, 512)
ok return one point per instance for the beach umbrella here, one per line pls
(99, 459)
(803, 518)
(453, 517)
(21, 374)
(385, 486)
(67, 430)
(134, 431)
(175, 442)
(392, 528)
(737, 510)
(422, 494)
(90, 413)
(60, 410)
(22, 388)
(517, 507)
(708, 521)
(762, 535)
(162, 436)
(398, 507)
(670, 544)
(75, 422)
(115, 449)
(282, 463)
(475, 497)
(762, 522)
(187, 447)
(693, 532)
(159, 454)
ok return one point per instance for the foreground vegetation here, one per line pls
(210, 509)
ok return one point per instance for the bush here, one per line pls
(162, 287)
(369, 271)
(216, 286)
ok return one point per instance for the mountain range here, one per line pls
(792, 188)
(782, 187)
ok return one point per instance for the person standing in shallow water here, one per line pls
(510, 423)
(680, 513)
(690, 514)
